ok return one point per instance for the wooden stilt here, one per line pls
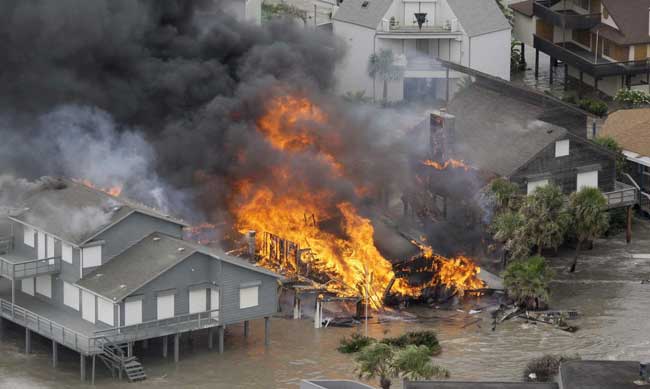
(145, 344)
(129, 349)
(177, 354)
(82, 367)
(267, 331)
(165, 345)
(221, 338)
(210, 338)
(550, 71)
(246, 328)
(92, 374)
(628, 234)
(55, 354)
(536, 63)
(28, 341)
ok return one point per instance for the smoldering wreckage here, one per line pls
(234, 128)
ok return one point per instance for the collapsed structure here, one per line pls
(96, 273)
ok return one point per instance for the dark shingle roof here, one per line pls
(354, 11)
(496, 132)
(479, 17)
(76, 213)
(599, 374)
(631, 17)
(145, 261)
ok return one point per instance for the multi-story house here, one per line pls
(602, 43)
(473, 33)
(96, 273)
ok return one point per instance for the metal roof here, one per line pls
(368, 15)
(147, 260)
(75, 213)
(478, 17)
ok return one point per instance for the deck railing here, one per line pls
(588, 66)
(624, 195)
(153, 328)
(48, 328)
(33, 268)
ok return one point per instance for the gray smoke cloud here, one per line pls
(164, 96)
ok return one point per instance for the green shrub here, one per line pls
(545, 368)
(527, 281)
(354, 343)
(597, 107)
(632, 98)
(418, 338)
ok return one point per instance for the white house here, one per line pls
(473, 33)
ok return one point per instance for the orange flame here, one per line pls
(453, 163)
(113, 190)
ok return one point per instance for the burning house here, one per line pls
(95, 273)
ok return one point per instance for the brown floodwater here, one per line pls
(607, 290)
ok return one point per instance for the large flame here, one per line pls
(115, 190)
(347, 255)
(450, 163)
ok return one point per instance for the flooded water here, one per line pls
(606, 290)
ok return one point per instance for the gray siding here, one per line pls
(200, 269)
(563, 171)
(131, 230)
(20, 248)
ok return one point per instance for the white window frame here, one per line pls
(165, 306)
(70, 296)
(66, 252)
(584, 176)
(29, 236)
(532, 185)
(105, 311)
(249, 296)
(562, 148)
(44, 285)
(91, 256)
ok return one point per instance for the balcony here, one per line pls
(585, 60)
(395, 29)
(15, 267)
(565, 18)
(623, 195)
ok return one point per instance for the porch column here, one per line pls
(267, 331)
(82, 366)
(165, 345)
(628, 232)
(536, 63)
(246, 328)
(550, 71)
(210, 338)
(221, 331)
(176, 347)
(55, 354)
(28, 341)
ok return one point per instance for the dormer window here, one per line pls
(562, 148)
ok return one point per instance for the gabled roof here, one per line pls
(479, 17)
(630, 128)
(523, 7)
(631, 17)
(147, 260)
(365, 13)
(76, 213)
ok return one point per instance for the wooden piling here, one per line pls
(221, 340)
(210, 338)
(165, 345)
(177, 356)
(246, 328)
(82, 366)
(267, 331)
(28, 340)
(55, 354)
(628, 232)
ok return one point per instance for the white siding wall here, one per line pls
(490, 53)
(351, 71)
(524, 29)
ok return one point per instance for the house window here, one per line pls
(249, 297)
(532, 185)
(44, 285)
(133, 311)
(66, 252)
(562, 148)
(71, 296)
(198, 300)
(105, 311)
(27, 286)
(41, 246)
(165, 305)
(91, 256)
(28, 237)
(587, 180)
(50, 246)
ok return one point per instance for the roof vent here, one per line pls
(156, 238)
(365, 4)
(181, 249)
(122, 286)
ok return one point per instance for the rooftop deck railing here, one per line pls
(33, 268)
(542, 10)
(599, 70)
(154, 328)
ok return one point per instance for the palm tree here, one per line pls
(506, 195)
(383, 65)
(386, 362)
(526, 281)
(589, 217)
(546, 217)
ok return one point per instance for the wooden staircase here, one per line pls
(116, 359)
